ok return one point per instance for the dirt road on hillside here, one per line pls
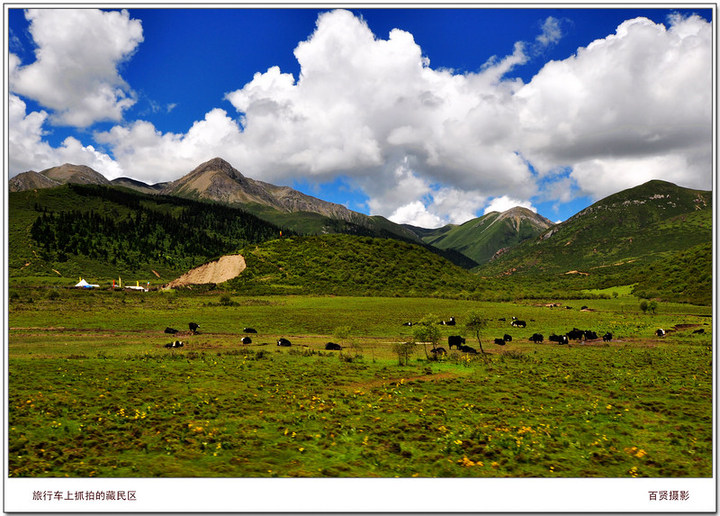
(221, 270)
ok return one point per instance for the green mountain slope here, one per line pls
(484, 237)
(610, 242)
(102, 231)
(351, 265)
(685, 276)
(309, 223)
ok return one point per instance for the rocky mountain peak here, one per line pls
(30, 180)
(218, 165)
(518, 213)
(69, 173)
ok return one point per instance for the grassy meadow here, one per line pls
(94, 393)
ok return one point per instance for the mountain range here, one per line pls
(468, 245)
(216, 180)
(618, 240)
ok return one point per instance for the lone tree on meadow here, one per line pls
(344, 335)
(425, 332)
(476, 323)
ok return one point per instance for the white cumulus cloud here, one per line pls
(551, 32)
(416, 213)
(504, 203)
(75, 73)
(368, 107)
(630, 107)
(147, 154)
(28, 150)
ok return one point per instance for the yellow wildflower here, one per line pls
(466, 462)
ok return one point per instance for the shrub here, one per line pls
(404, 351)
(515, 355)
(226, 301)
(652, 306)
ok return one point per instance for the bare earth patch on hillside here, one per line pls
(224, 269)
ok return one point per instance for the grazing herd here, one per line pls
(454, 341)
(282, 341)
(458, 342)
(193, 327)
(576, 334)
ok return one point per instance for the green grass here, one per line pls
(620, 290)
(93, 392)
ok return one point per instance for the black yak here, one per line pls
(575, 334)
(455, 340)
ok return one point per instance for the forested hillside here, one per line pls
(88, 229)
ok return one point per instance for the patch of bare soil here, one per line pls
(681, 327)
(224, 269)
(387, 381)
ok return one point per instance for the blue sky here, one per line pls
(425, 116)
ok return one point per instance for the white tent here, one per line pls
(84, 284)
